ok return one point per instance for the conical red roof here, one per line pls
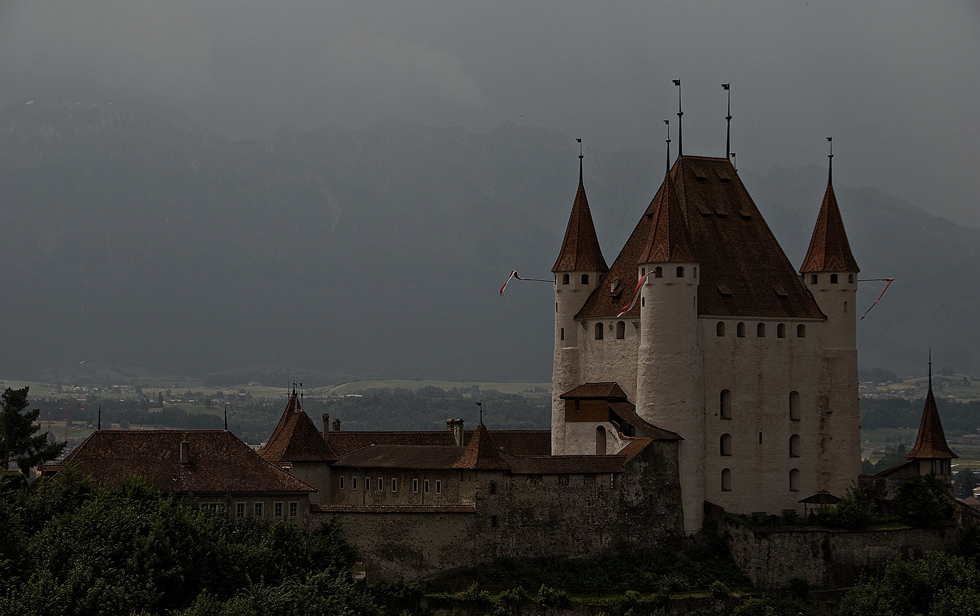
(669, 240)
(829, 250)
(296, 438)
(580, 251)
(481, 453)
(931, 441)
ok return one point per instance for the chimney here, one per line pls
(456, 426)
(326, 426)
(336, 425)
(185, 452)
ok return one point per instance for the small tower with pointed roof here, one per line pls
(668, 378)
(930, 450)
(578, 271)
(830, 273)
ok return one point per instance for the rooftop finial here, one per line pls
(930, 368)
(581, 155)
(728, 135)
(480, 404)
(667, 122)
(734, 161)
(830, 167)
(680, 126)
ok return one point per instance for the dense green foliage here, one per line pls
(70, 549)
(19, 438)
(923, 501)
(938, 585)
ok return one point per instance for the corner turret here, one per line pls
(930, 449)
(669, 366)
(578, 271)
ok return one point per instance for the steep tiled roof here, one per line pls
(296, 438)
(669, 240)
(743, 270)
(432, 457)
(563, 465)
(480, 453)
(829, 250)
(580, 250)
(595, 390)
(219, 462)
(634, 447)
(931, 441)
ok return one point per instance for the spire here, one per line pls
(931, 440)
(669, 239)
(680, 117)
(667, 122)
(728, 134)
(480, 453)
(829, 250)
(580, 250)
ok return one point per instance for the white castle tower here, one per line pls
(728, 350)
(578, 271)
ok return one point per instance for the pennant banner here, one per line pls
(515, 275)
(888, 282)
(636, 296)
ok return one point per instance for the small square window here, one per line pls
(367, 484)
(438, 486)
(293, 509)
(415, 485)
(381, 484)
(426, 484)
(394, 485)
(353, 483)
(277, 510)
(257, 510)
(239, 510)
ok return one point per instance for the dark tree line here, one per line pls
(957, 417)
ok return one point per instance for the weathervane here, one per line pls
(680, 126)
(581, 155)
(830, 169)
(728, 136)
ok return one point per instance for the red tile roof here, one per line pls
(829, 250)
(580, 250)
(429, 457)
(563, 465)
(595, 390)
(931, 441)
(296, 438)
(220, 463)
(518, 442)
(743, 270)
(523, 442)
(481, 453)
(669, 240)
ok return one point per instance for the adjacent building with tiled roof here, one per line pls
(702, 331)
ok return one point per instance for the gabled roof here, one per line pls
(580, 250)
(829, 250)
(743, 270)
(931, 441)
(669, 240)
(595, 390)
(220, 462)
(481, 453)
(296, 438)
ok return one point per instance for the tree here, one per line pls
(19, 440)
(963, 483)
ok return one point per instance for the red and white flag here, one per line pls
(635, 298)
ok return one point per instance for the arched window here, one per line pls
(600, 441)
(813, 279)
(680, 271)
(720, 328)
(794, 405)
(740, 330)
(726, 480)
(658, 272)
(833, 279)
(620, 330)
(781, 330)
(598, 331)
(850, 278)
(726, 404)
(726, 444)
(760, 330)
(585, 279)
(563, 333)
(794, 480)
(564, 278)
(695, 272)
(794, 446)
(801, 331)
(643, 272)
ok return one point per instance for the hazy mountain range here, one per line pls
(130, 235)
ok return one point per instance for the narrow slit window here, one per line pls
(720, 329)
(794, 446)
(781, 330)
(394, 485)
(760, 330)
(726, 480)
(726, 404)
(740, 330)
(794, 405)
(801, 331)
(563, 333)
(726, 444)
(598, 331)
(620, 330)
(794, 480)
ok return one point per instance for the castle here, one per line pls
(754, 366)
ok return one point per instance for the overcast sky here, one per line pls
(896, 83)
